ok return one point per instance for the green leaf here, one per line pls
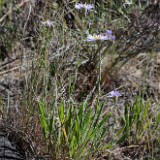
(103, 121)
(98, 115)
(120, 131)
(157, 120)
(81, 113)
(86, 124)
(61, 112)
(50, 126)
(42, 118)
(69, 119)
(123, 137)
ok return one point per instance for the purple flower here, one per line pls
(114, 94)
(79, 6)
(48, 23)
(110, 35)
(87, 7)
(109, 32)
(92, 38)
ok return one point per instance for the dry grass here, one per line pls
(57, 65)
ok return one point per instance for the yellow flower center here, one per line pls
(97, 36)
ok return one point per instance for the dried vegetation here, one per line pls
(35, 61)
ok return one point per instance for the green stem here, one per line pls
(99, 80)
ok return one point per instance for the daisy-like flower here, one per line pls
(114, 94)
(79, 6)
(87, 7)
(92, 38)
(48, 23)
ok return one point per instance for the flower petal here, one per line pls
(109, 32)
(114, 94)
(48, 23)
(78, 6)
(90, 38)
